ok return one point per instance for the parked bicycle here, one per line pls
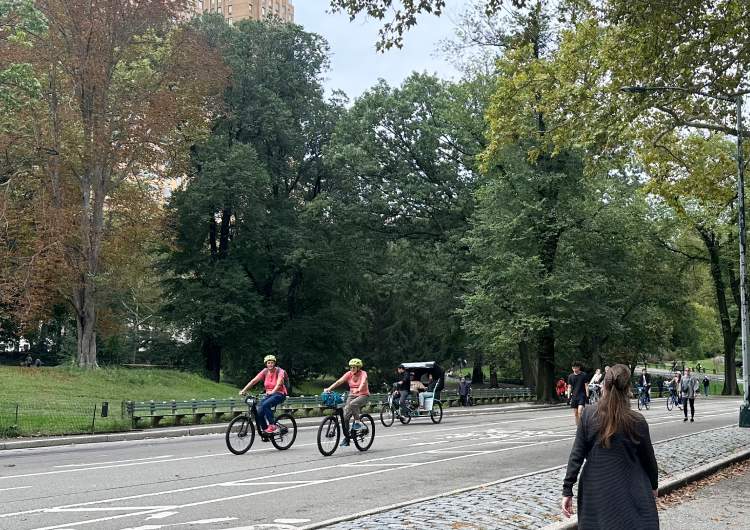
(644, 400)
(240, 433)
(333, 427)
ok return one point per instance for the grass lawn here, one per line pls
(61, 400)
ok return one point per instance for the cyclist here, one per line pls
(645, 383)
(273, 382)
(358, 394)
(595, 385)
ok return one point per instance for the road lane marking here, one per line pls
(432, 432)
(116, 461)
(290, 487)
(16, 488)
(288, 473)
(161, 515)
(112, 509)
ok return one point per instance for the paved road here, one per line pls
(195, 482)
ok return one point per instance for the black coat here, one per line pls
(615, 487)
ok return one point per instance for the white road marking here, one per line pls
(112, 509)
(201, 521)
(115, 461)
(301, 484)
(161, 515)
(16, 488)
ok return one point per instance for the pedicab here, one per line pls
(431, 407)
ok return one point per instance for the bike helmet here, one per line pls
(356, 362)
(269, 358)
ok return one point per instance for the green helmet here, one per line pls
(269, 358)
(356, 362)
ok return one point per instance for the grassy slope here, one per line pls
(61, 400)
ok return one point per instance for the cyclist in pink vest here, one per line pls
(273, 382)
(359, 393)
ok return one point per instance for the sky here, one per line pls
(356, 66)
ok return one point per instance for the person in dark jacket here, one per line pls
(619, 483)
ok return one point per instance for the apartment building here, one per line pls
(236, 10)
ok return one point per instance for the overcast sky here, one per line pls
(356, 66)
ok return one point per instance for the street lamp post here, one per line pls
(737, 100)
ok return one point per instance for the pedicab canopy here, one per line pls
(428, 367)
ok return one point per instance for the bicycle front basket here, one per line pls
(331, 399)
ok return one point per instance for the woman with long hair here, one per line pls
(619, 483)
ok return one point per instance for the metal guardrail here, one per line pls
(219, 409)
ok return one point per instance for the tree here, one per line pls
(122, 93)
(254, 237)
(695, 177)
(404, 14)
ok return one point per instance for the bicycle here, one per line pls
(595, 393)
(240, 433)
(330, 430)
(644, 400)
(673, 400)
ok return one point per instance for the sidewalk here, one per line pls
(533, 500)
(216, 428)
(717, 502)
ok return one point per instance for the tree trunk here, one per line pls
(86, 323)
(528, 365)
(545, 388)
(477, 376)
(729, 335)
(212, 354)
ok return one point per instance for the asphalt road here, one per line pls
(194, 482)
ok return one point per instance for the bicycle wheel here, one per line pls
(387, 416)
(329, 434)
(240, 434)
(364, 437)
(436, 414)
(404, 419)
(646, 403)
(670, 403)
(287, 433)
(640, 402)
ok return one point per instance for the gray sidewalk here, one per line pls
(533, 500)
(721, 504)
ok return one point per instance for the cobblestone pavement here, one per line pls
(534, 501)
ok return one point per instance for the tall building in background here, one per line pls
(236, 10)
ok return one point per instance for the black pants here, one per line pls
(685, 402)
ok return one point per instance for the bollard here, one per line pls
(105, 409)
(93, 420)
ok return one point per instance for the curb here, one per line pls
(674, 483)
(343, 519)
(217, 428)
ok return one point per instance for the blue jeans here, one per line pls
(265, 408)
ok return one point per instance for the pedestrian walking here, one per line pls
(578, 391)
(688, 387)
(706, 384)
(464, 387)
(619, 483)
